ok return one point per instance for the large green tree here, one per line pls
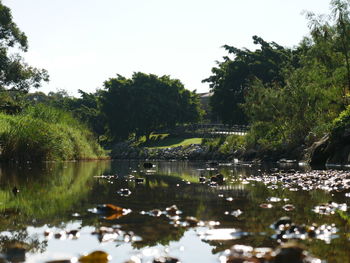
(14, 72)
(145, 103)
(231, 78)
(301, 110)
(16, 77)
(331, 38)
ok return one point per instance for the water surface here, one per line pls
(56, 198)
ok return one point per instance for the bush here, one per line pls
(341, 123)
(225, 145)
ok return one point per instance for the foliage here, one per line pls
(289, 116)
(331, 40)
(341, 123)
(43, 133)
(85, 108)
(146, 103)
(232, 77)
(288, 96)
(15, 74)
(225, 144)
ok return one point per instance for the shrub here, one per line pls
(225, 145)
(341, 123)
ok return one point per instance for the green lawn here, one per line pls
(169, 142)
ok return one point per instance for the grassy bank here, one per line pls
(42, 133)
(167, 141)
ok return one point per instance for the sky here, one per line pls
(83, 43)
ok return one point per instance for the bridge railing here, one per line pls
(209, 130)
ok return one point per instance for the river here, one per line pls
(173, 209)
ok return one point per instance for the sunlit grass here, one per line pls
(170, 142)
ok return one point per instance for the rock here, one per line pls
(218, 178)
(139, 180)
(285, 220)
(319, 152)
(289, 253)
(192, 221)
(15, 191)
(202, 179)
(109, 209)
(59, 261)
(172, 210)
(166, 260)
(330, 150)
(95, 257)
(16, 253)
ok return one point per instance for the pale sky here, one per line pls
(82, 43)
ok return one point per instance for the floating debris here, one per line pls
(48, 234)
(236, 213)
(124, 192)
(274, 199)
(286, 230)
(330, 208)
(155, 212)
(114, 234)
(287, 253)
(266, 205)
(288, 207)
(61, 235)
(326, 180)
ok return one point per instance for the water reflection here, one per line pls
(58, 214)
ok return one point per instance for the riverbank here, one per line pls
(42, 133)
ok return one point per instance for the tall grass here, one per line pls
(42, 133)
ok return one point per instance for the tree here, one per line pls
(331, 38)
(301, 110)
(145, 103)
(15, 74)
(231, 78)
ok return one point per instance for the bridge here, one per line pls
(211, 129)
